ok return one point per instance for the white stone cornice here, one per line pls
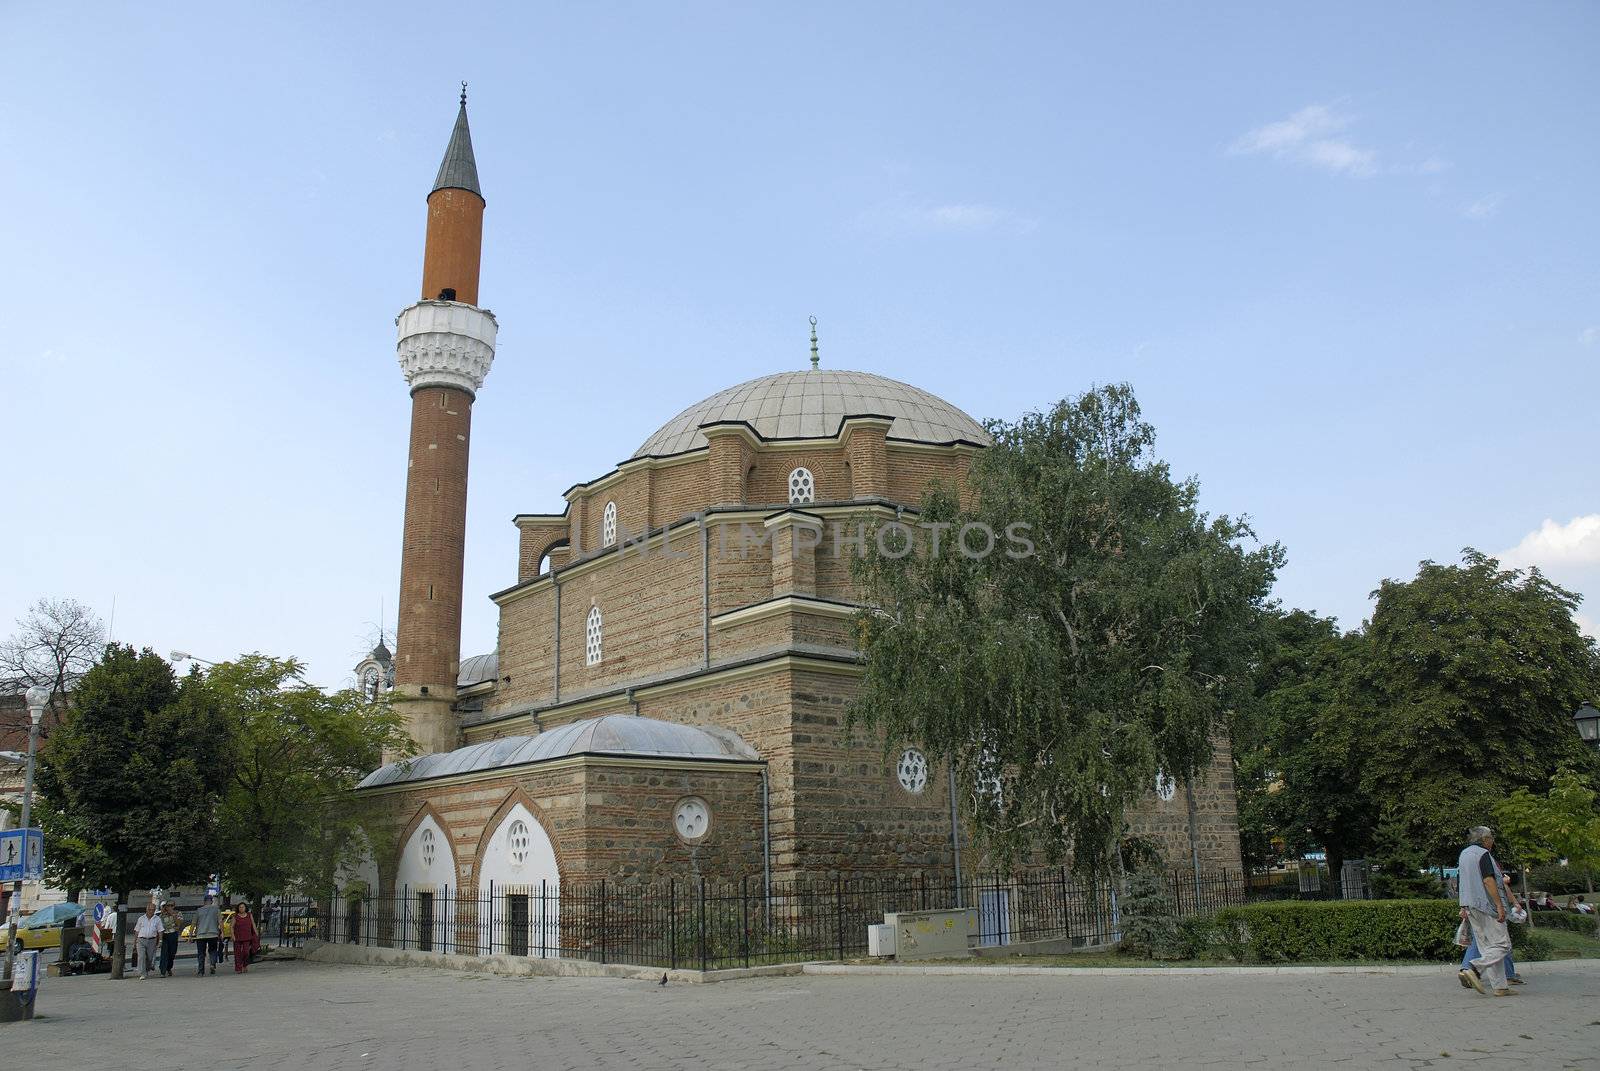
(446, 344)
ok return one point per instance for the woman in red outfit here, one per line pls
(245, 939)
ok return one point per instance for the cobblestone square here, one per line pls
(292, 1015)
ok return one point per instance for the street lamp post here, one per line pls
(1588, 722)
(185, 656)
(38, 698)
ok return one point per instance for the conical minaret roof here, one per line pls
(459, 170)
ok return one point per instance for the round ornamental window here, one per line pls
(518, 840)
(427, 847)
(608, 525)
(1166, 786)
(592, 635)
(913, 770)
(802, 488)
(691, 818)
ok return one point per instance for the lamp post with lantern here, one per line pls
(38, 698)
(1587, 718)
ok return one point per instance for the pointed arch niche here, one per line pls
(519, 878)
(425, 887)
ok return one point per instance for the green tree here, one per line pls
(1058, 682)
(1303, 740)
(295, 753)
(134, 774)
(1561, 824)
(1475, 672)
(138, 766)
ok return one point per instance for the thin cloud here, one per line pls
(958, 217)
(1589, 336)
(1484, 207)
(1313, 136)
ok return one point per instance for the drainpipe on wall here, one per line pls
(1194, 837)
(635, 701)
(766, 836)
(556, 580)
(955, 836)
(705, 591)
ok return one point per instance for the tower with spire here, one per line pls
(446, 344)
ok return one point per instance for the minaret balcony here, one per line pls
(446, 344)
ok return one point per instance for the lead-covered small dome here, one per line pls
(624, 735)
(812, 405)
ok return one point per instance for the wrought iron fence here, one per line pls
(713, 924)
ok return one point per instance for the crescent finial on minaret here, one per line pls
(815, 360)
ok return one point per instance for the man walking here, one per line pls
(207, 932)
(148, 930)
(1479, 892)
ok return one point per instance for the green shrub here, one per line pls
(1528, 944)
(1148, 926)
(1295, 931)
(1198, 937)
(1567, 920)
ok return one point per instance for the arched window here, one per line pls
(802, 488)
(591, 638)
(608, 525)
(518, 840)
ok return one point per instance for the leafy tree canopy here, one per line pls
(1560, 824)
(294, 753)
(1475, 671)
(134, 775)
(1058, 682)
(1302, 740)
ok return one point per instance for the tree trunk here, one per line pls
(1335, 870)
(119, 943)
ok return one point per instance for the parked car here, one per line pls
(42, 929)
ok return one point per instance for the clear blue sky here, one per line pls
(1347, 258)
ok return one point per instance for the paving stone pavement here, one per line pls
(293, 1015)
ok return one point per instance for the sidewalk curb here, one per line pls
(957, 969)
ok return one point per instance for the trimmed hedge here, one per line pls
(1292, 931)
(1567, 920)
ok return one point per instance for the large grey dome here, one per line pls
(608, 734)
(811, 405)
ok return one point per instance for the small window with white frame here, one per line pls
(592, 635)
(608, 525)
(802, 488)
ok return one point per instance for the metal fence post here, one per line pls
(744, 912)
(602, 920)
(703, 950)
(672, 923)
(838, 910)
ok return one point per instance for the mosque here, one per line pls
(675, 656)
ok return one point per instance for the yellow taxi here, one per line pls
(42, 929)
(227, 927)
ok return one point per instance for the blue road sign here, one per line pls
(21, 855)
(99, 912)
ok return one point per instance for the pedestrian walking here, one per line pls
(207, 935)
(245, 938)
(147, 930)
(1481, 896)
(1512, 977)
(172, 926)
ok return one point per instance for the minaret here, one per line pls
(446, 346)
